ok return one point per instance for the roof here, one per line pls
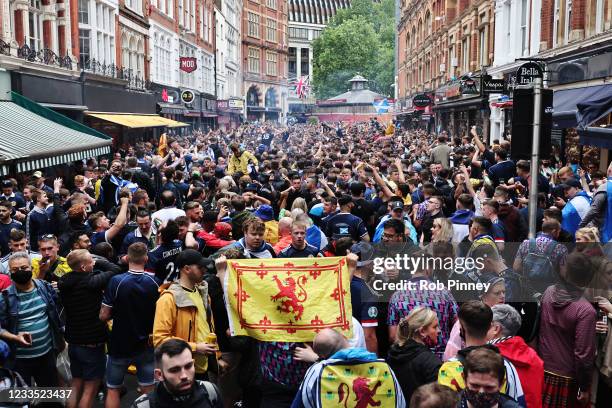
(32, 141)
(358, 78)
(315, 11)
(361, 96)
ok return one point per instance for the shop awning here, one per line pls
(34, 137)
(581, 105)
(135, 121)
(596, 136)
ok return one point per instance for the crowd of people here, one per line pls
(118, 269)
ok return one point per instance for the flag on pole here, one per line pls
(288, 300)
(162, 148)
(301, 86)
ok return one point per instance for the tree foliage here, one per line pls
(360, 40)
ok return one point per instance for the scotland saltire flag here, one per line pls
(381, 106)
(574, 211)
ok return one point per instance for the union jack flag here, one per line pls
(301, 86)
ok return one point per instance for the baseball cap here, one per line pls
(571, 183)
(397, 205)
(252, 187)
(265, 212)
(37, 174)
(190, 257)
(7, 183)
(365, 252)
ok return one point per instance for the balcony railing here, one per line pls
(47, 56)
(96, 67)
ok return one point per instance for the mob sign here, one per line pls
(188, 64)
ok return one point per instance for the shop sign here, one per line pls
(187, 96)
(222, 104)
(490, 85)
(453, 90)
(188, 64)
(468, 87)
(421, 100)
(236, 104)
(169, 96)
(528, 72)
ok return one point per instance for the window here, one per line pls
(164, 66)
(253, 60)
(568, 21)
(524, 30)
(599, 16)
(271, 30)
(465, 54)
(271, 58)
(305, 61)
(482, 37)
(557, 23)
(253, 25)
(84, 11)
(181, 14)
(135, 5)
(271, 4)
(35, 34)
(84, 46)
(292, 62)
(298, 33)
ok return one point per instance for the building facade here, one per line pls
(182, 47)
(264, 56)
(306, 22)
(230, 103)
(445, 47)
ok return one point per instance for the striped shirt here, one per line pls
(32, 318)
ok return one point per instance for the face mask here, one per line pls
(481, 399)
(21, 277)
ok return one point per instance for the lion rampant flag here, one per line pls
(289, 299)
(162, 148)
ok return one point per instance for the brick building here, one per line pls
(264, 54)
(444, 46)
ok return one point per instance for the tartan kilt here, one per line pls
(559, 392)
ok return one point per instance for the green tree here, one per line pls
(360, 40)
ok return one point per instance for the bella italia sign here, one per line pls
(528, 72)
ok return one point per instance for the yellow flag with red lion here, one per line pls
(289, 299)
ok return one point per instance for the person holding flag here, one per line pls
(162, 148)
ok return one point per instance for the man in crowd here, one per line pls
(30, 321)
(183, 311)
(7, 224)
(177, 385)
(132, 324)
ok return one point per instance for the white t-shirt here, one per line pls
(165, 215)
(358, 339)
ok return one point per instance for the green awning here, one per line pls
(34, 137)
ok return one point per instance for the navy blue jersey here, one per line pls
(266, 139)
(161, 261)
(292, 252)
(364, 303)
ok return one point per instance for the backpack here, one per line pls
(145, 401)
(537, 266)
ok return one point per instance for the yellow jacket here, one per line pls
(60, 270)
(241, 163)
(175, 315)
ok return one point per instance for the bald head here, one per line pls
(328, 342)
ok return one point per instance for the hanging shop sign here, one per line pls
(188, 64)
(492, 86)
(421, 100)
(528, 72)
(187, 96)
(468, 87)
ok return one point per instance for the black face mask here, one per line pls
(22, 276)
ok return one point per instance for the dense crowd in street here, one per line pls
(118, 269)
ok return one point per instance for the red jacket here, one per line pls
(528, 364)
(212, 241)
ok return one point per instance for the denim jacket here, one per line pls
(9, 315)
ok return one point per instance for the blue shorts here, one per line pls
(87, 363)
(117, 366)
